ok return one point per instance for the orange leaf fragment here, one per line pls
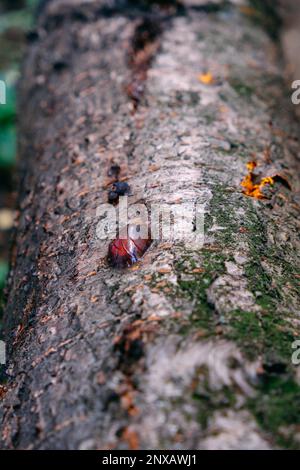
(251, 165)
(92, 273)
(164, 270)
(198, 270)
(255, 189)
(206, 78)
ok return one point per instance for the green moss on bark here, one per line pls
(276, 408)
(261, 334)
(194, 288)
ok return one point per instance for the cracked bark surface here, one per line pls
(190, 348)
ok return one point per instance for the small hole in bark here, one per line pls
(32, 36)
(60, 65)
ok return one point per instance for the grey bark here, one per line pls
(190, 348)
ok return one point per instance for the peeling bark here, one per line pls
(190, 348)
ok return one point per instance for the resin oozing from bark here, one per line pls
(124, 252)
(145, 44)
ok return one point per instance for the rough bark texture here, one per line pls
(191, 348)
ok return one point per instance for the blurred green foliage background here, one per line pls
(16, 19)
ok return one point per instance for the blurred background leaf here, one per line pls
(7, 145)
(7, 129)
(16, 19)
(3, 273)
(8, 111)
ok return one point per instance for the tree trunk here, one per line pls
(190, 347)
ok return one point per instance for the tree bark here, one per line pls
(191, 347)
